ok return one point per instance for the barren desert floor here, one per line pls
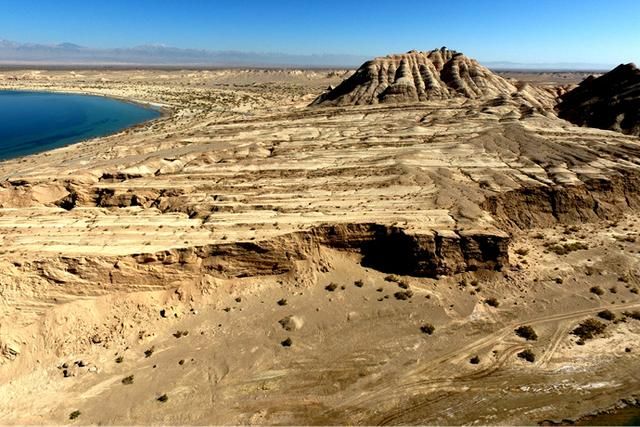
(247, 259)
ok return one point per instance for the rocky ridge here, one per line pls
(611, 101)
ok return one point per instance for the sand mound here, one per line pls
(417, 76)
(611, 101)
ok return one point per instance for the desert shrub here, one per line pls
(521, 251)
(493, 302)
(633, 314)
(427, 328)
(392, 278)
(606, 315)
(527, 333)
(596, 290)
(286, 343)
(358, 283)
(75, 414)
(127, 380)
(403, 285)
(589, 329)
(282, 302)
(403, 295)
(163, 398)
(565, 248)
(119, 359)
(527, 355)
(149, 352)
(474, 360)
(331, 287)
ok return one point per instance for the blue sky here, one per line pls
(537, 31)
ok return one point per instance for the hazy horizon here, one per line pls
(67, 53)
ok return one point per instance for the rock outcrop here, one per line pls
(611, 101)
(415, 77)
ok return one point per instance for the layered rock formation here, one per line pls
(611, 101)
(417, 76)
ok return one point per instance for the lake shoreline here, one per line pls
(161, 112)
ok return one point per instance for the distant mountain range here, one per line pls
(15, 53)
(548, 66)
(72, 54)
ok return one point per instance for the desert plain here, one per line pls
(255, 257)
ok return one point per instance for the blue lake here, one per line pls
(32, 122)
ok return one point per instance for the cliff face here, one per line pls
(611, 101)
(415, 77)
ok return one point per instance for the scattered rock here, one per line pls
(286, 343)
(291, 323)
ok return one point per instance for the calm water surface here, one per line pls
(31, 122)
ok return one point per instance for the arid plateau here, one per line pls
(421, 241)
